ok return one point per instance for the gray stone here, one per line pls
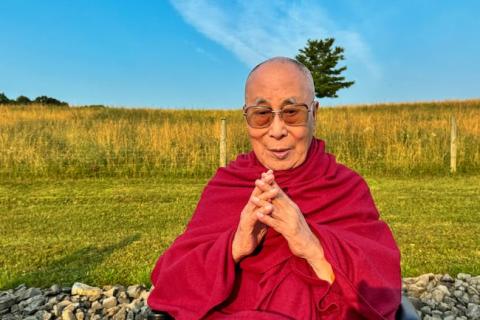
(475, 299)
(447, 278)
(53, 290)
(426, 310)
(7, 300)
(28, 293)
(471, 290)
(442, 306)
(439, 292)
(463, 276)
(437, 313)
(32, 305)
(473, 311)
(43, 315)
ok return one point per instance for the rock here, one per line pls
(121, 314)
(53, 290)
(32, 305)
(123, 298)
(439, 292)
(109, 302)
(423, 280)
(447, 278)
(28, 293)
(135, 305)
(473, 311)
(426, 310)
(96, 305)
(80, 315)
(463, 276)
(85, 290)
(6, 301)
(43, 315)
(66, 289)
(135, 291)
(111, 292)
(68, 315)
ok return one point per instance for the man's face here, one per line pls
(276, 84)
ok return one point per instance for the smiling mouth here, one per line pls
(280, 153)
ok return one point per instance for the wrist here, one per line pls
(314, 250)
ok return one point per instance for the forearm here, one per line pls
(316, 259)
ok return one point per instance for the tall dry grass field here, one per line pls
(407, 139)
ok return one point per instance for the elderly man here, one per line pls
(283, 232)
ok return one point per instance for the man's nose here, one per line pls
(277, 128)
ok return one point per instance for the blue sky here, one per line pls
(197, 54)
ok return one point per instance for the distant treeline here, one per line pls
(23, 100)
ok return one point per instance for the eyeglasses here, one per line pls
(262, 117)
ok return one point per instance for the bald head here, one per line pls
(283, 62)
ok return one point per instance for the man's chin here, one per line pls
(280, 165)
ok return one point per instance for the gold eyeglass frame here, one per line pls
(279, 112)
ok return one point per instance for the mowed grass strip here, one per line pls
(106, 231)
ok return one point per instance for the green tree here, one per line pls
(49, 101)
(321, 59)
(4, 99)
(23, 100)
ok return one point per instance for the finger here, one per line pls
(259, 202)
(265, 210)
(276, 186)
(268, 220)
(268, 179)
(269, 195)
(262, 185)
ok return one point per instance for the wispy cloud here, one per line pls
(256, 30)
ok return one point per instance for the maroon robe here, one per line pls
(197, 277)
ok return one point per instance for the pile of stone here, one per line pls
(434, 296)
(77, 302)
(437, 296)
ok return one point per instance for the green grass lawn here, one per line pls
(105, 231)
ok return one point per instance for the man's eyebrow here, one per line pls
(290, 100)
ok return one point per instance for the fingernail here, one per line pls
(259, 214)
(254, 198)
(268, 207)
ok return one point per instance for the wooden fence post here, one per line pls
(223, 143)
(453, 145)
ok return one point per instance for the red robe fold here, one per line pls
(197, 278)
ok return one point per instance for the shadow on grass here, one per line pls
(76, 266)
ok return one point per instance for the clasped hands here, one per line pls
(270, 206)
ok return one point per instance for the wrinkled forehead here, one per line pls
(277, 83)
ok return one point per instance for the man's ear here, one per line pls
(315, 109)
(314, 116)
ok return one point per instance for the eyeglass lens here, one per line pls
(260, 117)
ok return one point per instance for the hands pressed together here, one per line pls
(270, 206)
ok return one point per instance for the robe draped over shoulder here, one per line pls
(196, 278)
